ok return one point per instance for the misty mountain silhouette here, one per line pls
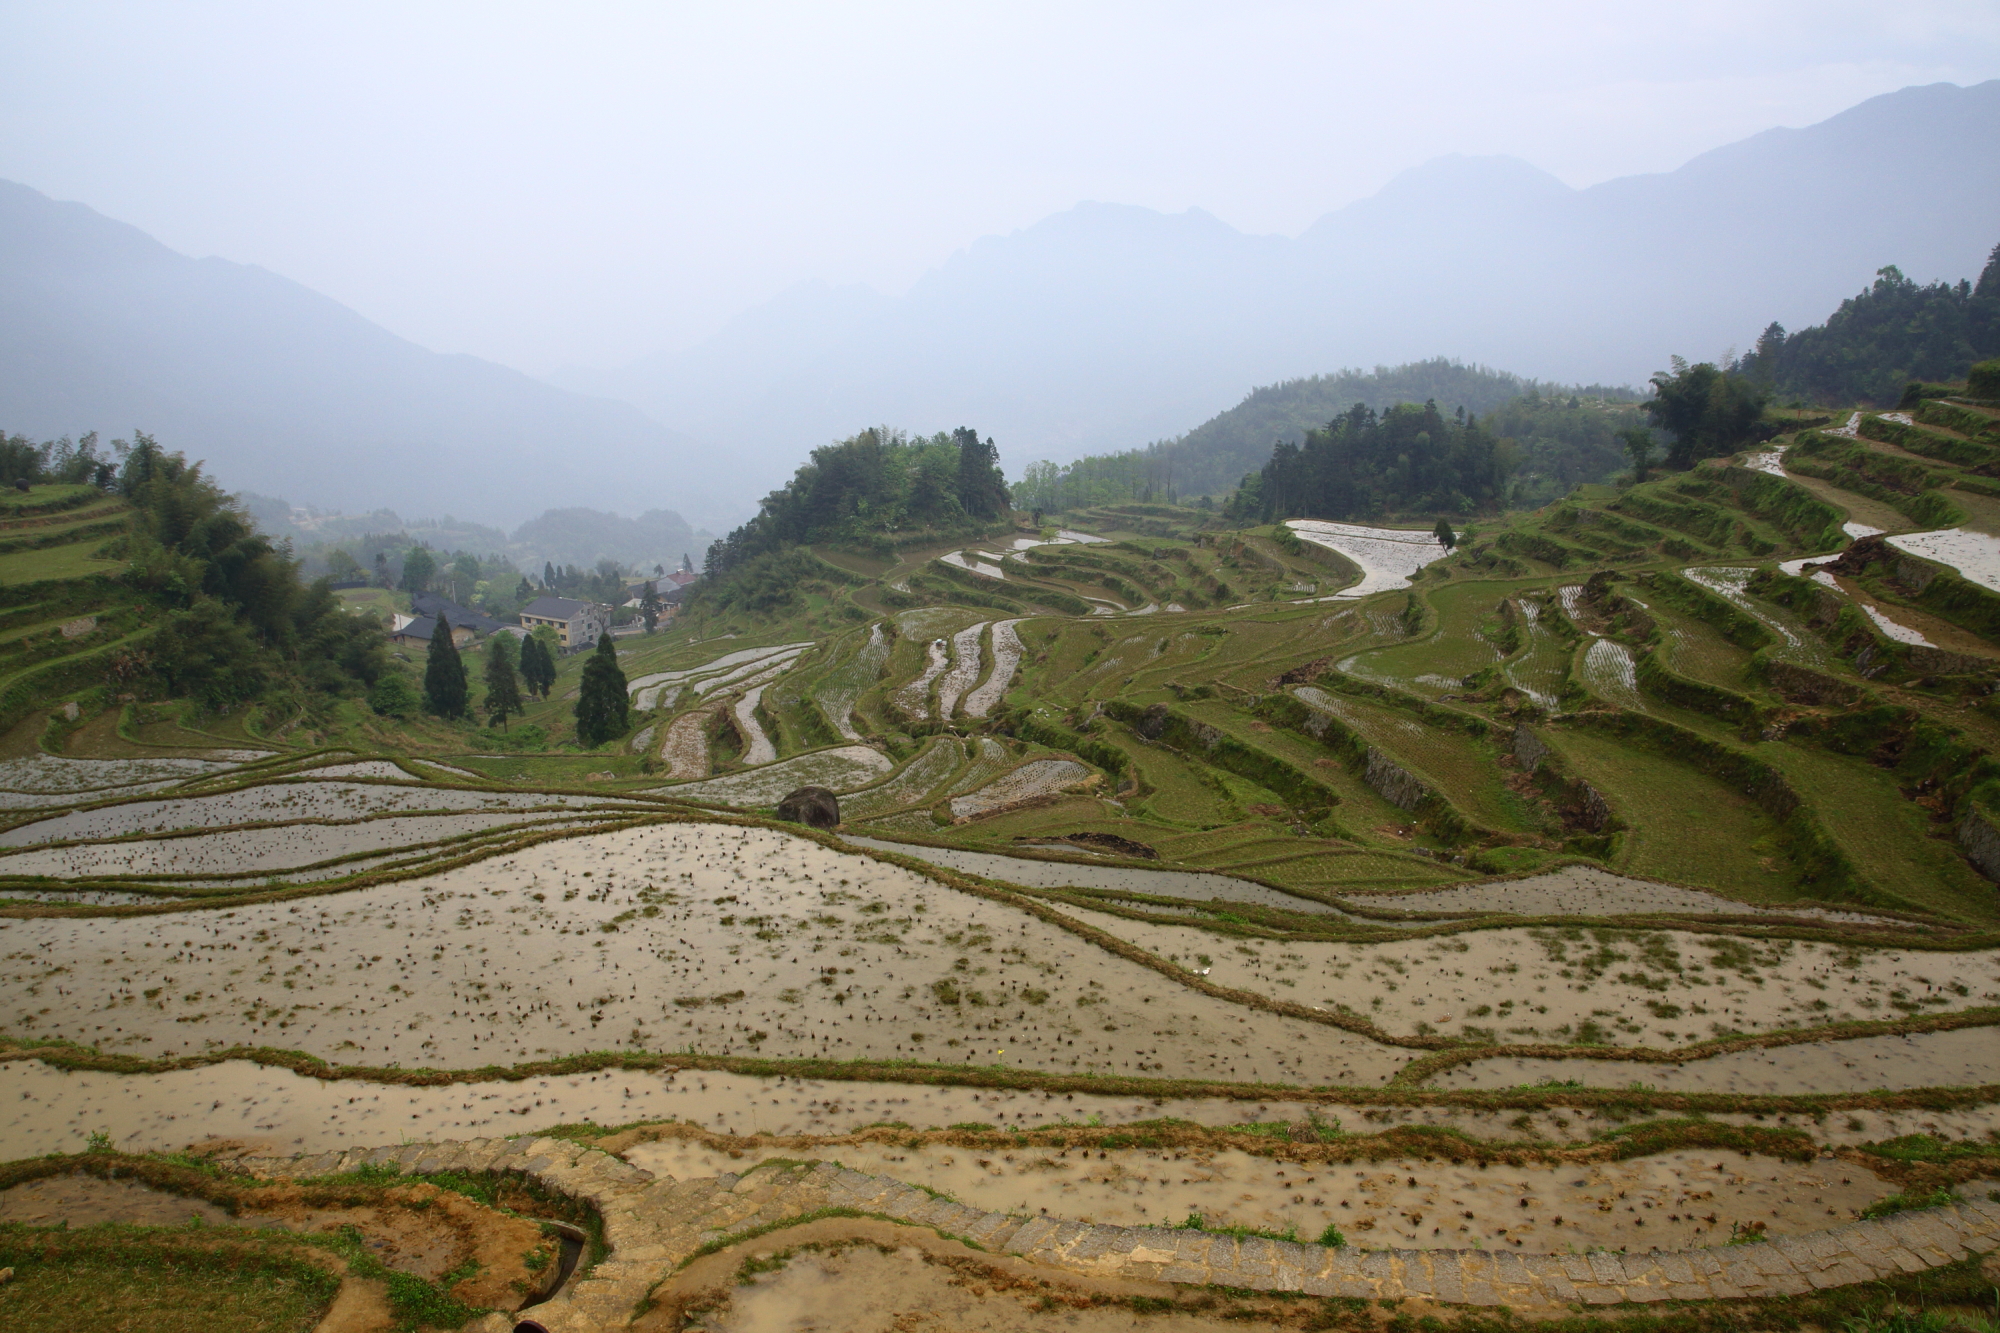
(1108, 326)
(284, 390)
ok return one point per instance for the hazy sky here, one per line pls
(587, 182)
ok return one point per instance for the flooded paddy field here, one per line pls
(713, 938)
(1651, 987)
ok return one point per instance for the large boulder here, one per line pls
(814, 806)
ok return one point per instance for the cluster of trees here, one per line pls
(490, 582)
(1361, 464)
(876, 483)
(605, 583)
(1137, 475)
(1559, 440)
(61, 462)
(1882, 339)
(1708, 410)
(240, 619)
(513, 678)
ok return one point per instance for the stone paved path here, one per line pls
(654, 1223)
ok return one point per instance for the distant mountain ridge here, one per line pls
(286, 391)
(1106, 326)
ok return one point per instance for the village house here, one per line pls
(432, 604)
(577, 624)
(416, 631)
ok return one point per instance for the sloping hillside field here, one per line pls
(1601, 911)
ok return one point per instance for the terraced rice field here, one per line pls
(988, 758)
(1541, 669)
(1270, 947)
(684, 747)
(1610, 674)
(1361, 811)
(1892, 840)
(843, 686)
(54, 773)
(914, 698)
(757, 746)
(1006, 661)
(917, 780)
(1462, 770)
(1036, 778)
(1684, 826)
(648, 691)
(841, 769)
(1387, 557)
(1659, 988)
(1694, 649)
(964, 670)
(1795, 643)
(1438, 663)
(1975, 555)
(277, 801)
(1177, 790)
(257, 851)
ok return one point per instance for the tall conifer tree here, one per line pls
(538, 667)
(503, 690)
(600, 703)
(445, 691)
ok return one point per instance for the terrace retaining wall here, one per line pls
(1393, 783)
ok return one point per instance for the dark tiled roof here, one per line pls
(420, 628)
(430, 604)
(554, 608)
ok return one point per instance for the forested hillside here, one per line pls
(1882, 339)
(1361, 464)
(162, 585)
(878, 489)
(1556, 446)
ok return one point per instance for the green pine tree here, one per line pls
(503, 690)
(445, 692)
(538, 665)
(600, 703)
(1446, 537)
(531, 676)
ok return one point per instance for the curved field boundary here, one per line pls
(163, 883)
(243, 779)
(1252, 919)
(1769, 924)
(1430, 1066)
(655, 1227)
(194, 831)
(368, 880)
(1637, 1101)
